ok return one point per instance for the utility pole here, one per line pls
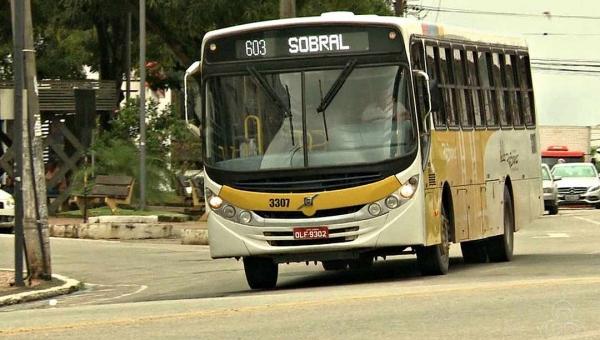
(287, 8)
(17, 20)
(142, 104)
(33, 181)
(399, 7)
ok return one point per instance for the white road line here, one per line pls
(141, 289)
(553, 235)
(587, 220)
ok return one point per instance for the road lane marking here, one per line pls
(462, 288)
(553, 235)
(587, 220)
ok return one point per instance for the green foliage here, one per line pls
(116, 151)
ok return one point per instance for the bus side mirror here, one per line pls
(195, 67)
(427, 96)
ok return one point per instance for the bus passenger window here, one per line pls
(433, 70)
(460, 89)
(514, 89)
(476, 91)
(484, 70)
(500, 86)
(446, 85)
(526, 89)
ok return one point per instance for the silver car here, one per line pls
(550, 190)
(579, 184)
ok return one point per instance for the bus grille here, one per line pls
(572, 191)
(300, 214)
(286, 238)
(315, 183)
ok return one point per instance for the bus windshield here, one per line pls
(318, 118)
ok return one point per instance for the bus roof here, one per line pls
(409, 27)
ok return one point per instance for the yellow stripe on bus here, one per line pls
(320, 200)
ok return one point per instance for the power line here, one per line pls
(562, 34)
(512, 14)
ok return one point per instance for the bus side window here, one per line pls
(499, 86)
(513, 89)
(459, 90)
(418, 63)
(484, 66)
(526, 89)
(433, 70)
(476, 91)
(446, 85)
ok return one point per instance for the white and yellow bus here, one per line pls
(342, 138)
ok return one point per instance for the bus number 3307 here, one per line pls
(279, 202)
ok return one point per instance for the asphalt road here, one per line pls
(161, 290)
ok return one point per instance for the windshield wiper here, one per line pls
(337, 85)
(324, 118)
(286, 112)
(333, 91)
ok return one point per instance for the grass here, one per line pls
(105, 211)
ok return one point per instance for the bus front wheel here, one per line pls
(435, 260)
(500, 248)
(261, 273)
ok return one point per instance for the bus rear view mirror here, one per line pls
(194, 68)
(424, 87)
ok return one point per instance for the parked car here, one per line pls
(7, 211)
(579, 184)
(550, 190)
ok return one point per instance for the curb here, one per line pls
(194, 237)
(68, 287)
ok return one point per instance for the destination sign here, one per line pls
(303, 41)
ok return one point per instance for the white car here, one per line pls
(7, 211)
(579, 184)
(550, 190)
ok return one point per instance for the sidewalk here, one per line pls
(111, 228)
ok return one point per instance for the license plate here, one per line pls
(311, 233)
(572, 197)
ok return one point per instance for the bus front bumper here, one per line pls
(402, 227)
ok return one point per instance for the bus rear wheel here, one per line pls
(261, 273)
(500, 248)
(435, 260)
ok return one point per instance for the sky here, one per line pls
(562, 35)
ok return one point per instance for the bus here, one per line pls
(344, 138)
(554, 153)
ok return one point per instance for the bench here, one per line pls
(110, 190)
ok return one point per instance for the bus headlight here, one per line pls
(408, 189)
(245, 217)
(392, 202)
(215, 202)
(374, 209)
(228, 211)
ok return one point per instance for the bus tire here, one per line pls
(261, 273)
(435, 260)
(500, 248)
(335, 265)
(474, 251)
